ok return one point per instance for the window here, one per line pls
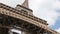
(23, 11)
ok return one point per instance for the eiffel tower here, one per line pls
(20, 20)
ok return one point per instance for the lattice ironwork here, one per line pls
(10, 21)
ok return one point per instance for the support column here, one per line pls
(4, 30)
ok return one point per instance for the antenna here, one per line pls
(25, 4)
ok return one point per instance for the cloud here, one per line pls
(45, 9)
(15, 30)
(58, 30)
(11, 3)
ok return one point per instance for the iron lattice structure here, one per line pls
(12, 18)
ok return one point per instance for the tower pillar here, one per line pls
(4, 30)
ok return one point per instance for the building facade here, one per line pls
(20, 20)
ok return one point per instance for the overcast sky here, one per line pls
(48, 10)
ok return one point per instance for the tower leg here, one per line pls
(4, 30)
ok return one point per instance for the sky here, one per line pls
(48, 10)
